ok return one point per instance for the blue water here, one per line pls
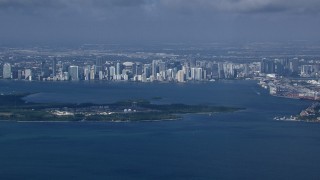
(242, 145)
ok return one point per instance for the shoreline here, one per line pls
(127, 121)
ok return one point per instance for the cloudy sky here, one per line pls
(116, 21)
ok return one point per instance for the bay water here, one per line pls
(247, 144)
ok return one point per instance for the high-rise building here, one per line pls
(112, 71)
(54, 66)
(74, 73)
(98, 66)
(306, 70)
(139, 68)
(169, 74)
(154, 68)
(267, 66)
(180, 76)
(147, 70)
(118, 69)
(221, 74)
(6, 71)
(19, 74)
(87, 72)
(229, 70)
(101, 76)
(198, 74)
(28, 74)
(43, 64)
(92, 73)
(294, 65)
(162, 66)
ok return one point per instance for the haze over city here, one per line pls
(157, 21)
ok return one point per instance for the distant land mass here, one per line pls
(14, 107)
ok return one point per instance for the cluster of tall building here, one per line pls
(155, 70)
(281, 67)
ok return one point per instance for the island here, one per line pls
(13, 107)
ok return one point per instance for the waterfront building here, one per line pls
(147, 70)
(98, 65)
(19, 74)
(139, 68)
(187, 72)
(118, 69)
(54, 65)
(154, 68)
(92, 73)
(65, 76)
(180, 76)
(198, 74)
(7, 74)
(74, 73)
(101, 76)
(112, 71)
(163, 75)
(87, 72)
(221, 74)
(144, 77)
(28, 74)
(229, 70)
(169, 74)
(106, 73)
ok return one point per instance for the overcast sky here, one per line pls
(116, 21)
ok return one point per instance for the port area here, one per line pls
(295, 88)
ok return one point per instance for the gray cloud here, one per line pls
(70, 4)
(185, 6)
(32, 4)
(158, 20)
(247, 6)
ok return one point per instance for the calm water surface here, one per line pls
(242, 145)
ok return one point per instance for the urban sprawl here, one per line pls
(291, 77)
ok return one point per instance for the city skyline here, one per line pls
(174, 68)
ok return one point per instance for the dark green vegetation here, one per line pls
(13, 107)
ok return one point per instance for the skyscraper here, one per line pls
(180, 76)
(74, 73)
(92, 73)
(6, 71)
(154, 68)
(54, 65)
(98, 66)
(221, 74)
(139, 68)
(198, 74)
(267, 66)
(118, 69)
(28, 74)
(146, 70)
(87, 72)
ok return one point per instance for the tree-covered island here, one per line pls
(14, 107)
